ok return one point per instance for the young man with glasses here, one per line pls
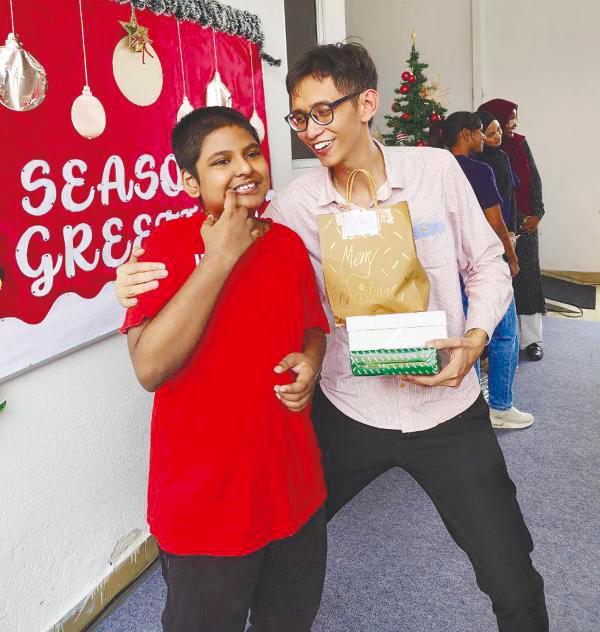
(437, 428)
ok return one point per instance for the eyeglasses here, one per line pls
(321, 114)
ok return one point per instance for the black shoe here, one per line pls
(534, 352)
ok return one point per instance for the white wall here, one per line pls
(73, 452)
(443, 40)
(331, 25)
(272, 15)
(545, 56)
(74, 442)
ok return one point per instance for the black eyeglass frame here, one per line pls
(331, 106)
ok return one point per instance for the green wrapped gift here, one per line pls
(394, 344)
(409, 361)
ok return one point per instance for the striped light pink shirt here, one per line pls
(452, 237)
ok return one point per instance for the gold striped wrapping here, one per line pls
(409, 361)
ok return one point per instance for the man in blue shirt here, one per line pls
(462, 134)
(482, 179)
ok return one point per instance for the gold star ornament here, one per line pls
(138, 35)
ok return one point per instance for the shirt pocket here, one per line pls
(433, 244)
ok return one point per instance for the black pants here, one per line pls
(461, 467)
(280, 584)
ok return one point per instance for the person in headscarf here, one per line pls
(529, 295)
(462, 134)
(498, 160)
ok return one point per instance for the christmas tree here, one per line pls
(414, 108)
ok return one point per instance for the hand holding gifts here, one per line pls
(394, 344)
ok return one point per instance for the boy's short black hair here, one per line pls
(348, 64)
(189, 134)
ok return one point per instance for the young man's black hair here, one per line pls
(348, 64)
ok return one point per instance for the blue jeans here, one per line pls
(503, 358)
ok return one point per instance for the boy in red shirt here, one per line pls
(231, 342)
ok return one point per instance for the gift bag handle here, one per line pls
(350, 184)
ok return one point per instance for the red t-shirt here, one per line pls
(232, 469)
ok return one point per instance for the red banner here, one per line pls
(71, 209)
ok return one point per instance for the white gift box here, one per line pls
(395, 331)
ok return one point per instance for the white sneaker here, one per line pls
(511, 418)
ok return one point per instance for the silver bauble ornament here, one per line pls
(217, 93)
(258, 125)
(23, 82)
(184, 109)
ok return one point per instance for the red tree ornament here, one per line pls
(405, 116)
(395, 107)
(412, 79)
(406, 75)
(421, 143)
(435, 117)
(404, 89)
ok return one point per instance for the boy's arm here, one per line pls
(160, 347)
(307, 365)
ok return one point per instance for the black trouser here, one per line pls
(461, 467)
(280, 584)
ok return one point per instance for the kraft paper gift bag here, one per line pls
(370, 262)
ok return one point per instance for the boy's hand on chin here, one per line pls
(297, 395)
(231, 235)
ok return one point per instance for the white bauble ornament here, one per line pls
(139, 77)
(23, 82)
(88, 115)
(184, 109)
(217, 93)
(258, 125)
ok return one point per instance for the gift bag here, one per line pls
(370, 263)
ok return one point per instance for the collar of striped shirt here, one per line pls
(395, 179)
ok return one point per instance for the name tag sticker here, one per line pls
(360, 224)
(422, 230)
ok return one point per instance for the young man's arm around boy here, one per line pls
(160, 347)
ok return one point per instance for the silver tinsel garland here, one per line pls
(218, 16)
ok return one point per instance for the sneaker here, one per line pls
(511, 418)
